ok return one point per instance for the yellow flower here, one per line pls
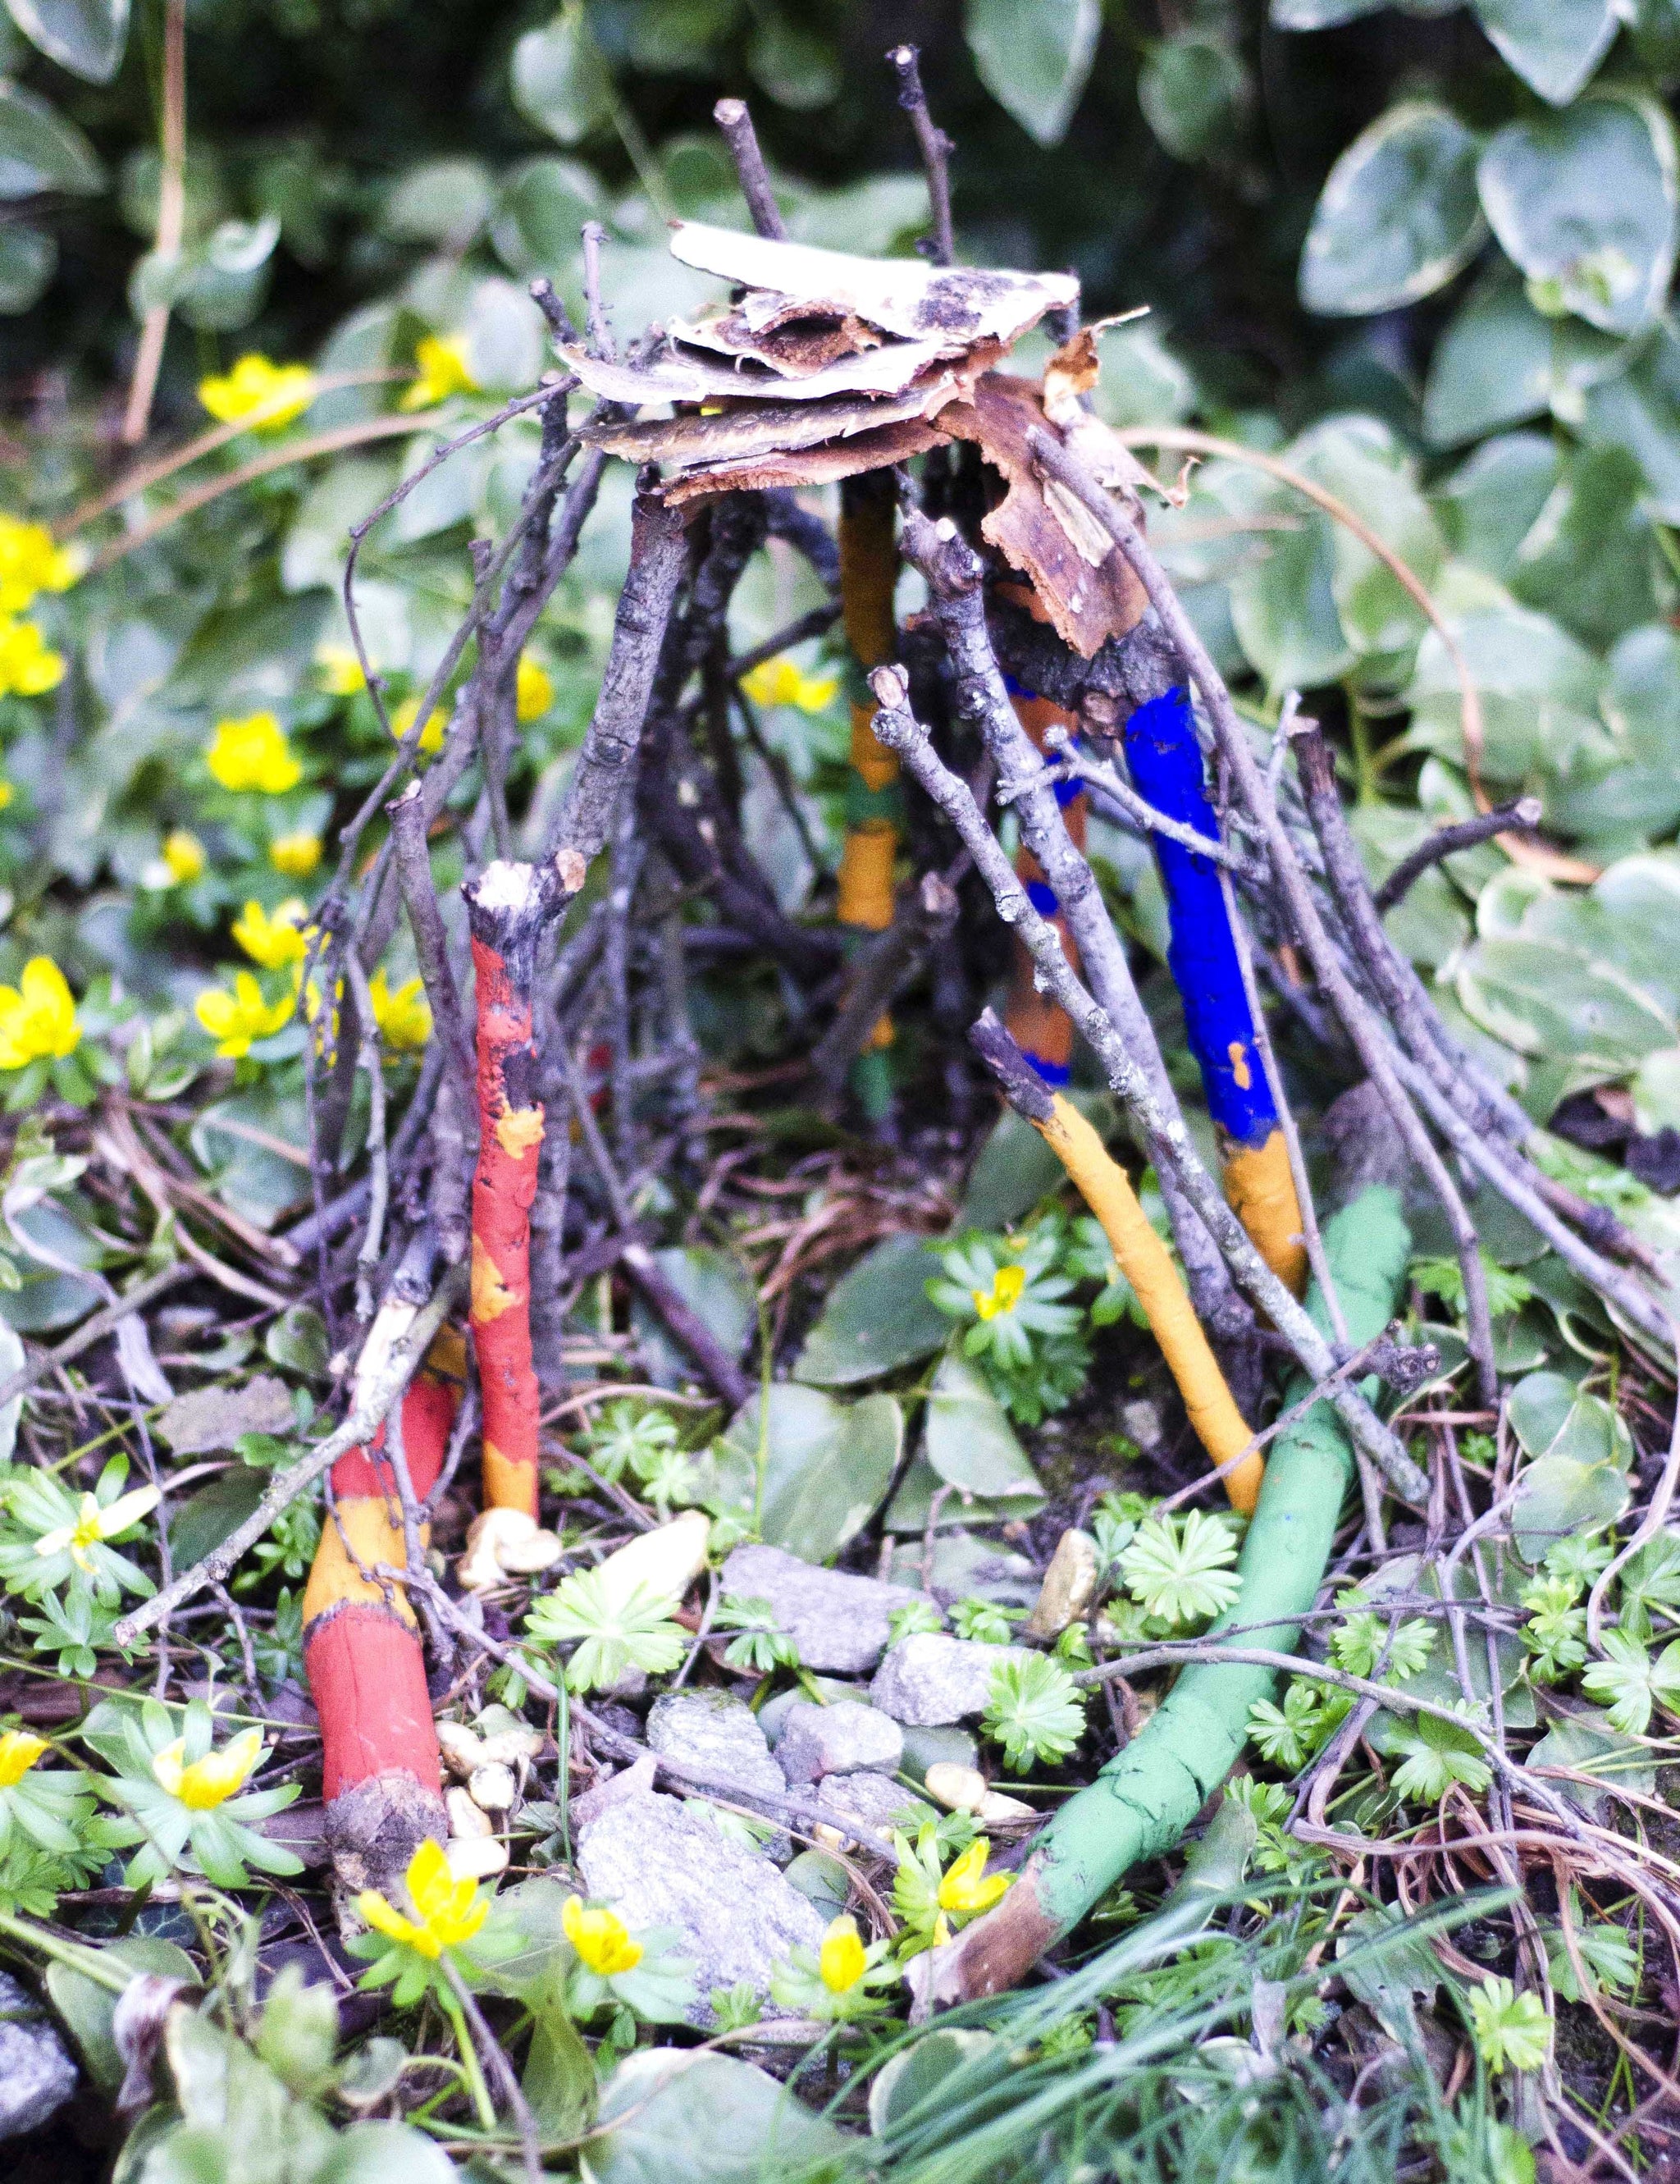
(19, 1752)
(967, 1886)
(184, 854)
(341, 671)
(37, 1016)
(254, 752)
(296, 855)
(601, 1938)
(1004, 1294)
(29, 563)
(535, 691)
(841, 1960)
(272, 942)
(7, 793)
(94, 1524)
(783, 682)
(267, 397)
(212, 1780)
(234, 1020)
(431, 735)
(449, 1911)
(442, 362)
(404, 1018)
(28, 665)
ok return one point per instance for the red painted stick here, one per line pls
(506, 905)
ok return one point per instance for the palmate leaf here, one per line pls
(1631, 1681)
(609, 1635)
(1036, 1712)
(1178, 1568)
(1438, 1752)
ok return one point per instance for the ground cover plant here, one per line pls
(840, 1298)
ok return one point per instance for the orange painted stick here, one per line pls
(507, 906)
(362, 1649)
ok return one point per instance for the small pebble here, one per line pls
(524, 1557)
(480, 1568)
(509, 1746)
(492, 1788)
(476, 1857)
(957, 1789)
(462, 1750)
(465, 1819)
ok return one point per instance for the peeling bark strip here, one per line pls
(362, 1649)
(507, 905)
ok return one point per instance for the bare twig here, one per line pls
(733, 118)
(431, 944)
(936, 149)
(172, 221)
(926, 916)
(1522, 816)
(102, 1323)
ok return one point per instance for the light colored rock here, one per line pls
(957, 1789)
(717, 1734)
(931, 1680)
(995, 1810)
(476, 1857)
(1069, 1586)
(492, 1788)
(926, 1747)
(36, 2074)
(513, 1747)
(465, 1819)
(657, 1863)
(873, 1801)
(816, 1741)
(480, 1568)
(524, 1557)
(837, 1621)
(666, 1560)
(462, 1748)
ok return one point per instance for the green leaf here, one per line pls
(906, 2089)
(1638, 410)
(1585, 203)
(384, 2154)
(212, 1511)
(711, 1284)
(1193, 89)
(799, 69)
(540, 214)
(86, 37)
(558, 2080)
(1399, 215)
(827, 1464)
(709, 2119)
(441, 201)
(1489, 504)
(1552, 45)
(1586, 1744)
(1582, 1451)
(970, 1442)
(1283, 605)
(28, 260)
(877, 1316)
(86, 2008)
(1320, 14)
(1492, 367)
(559, 79)
(1359, 460)
(1588, 559)
(1539, 691)
(1552, 1003)
(40, 150)
(1034, 56)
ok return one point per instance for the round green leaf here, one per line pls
(1585, 203)
(1552, 45)
(441, 201)
(970, 1442)
(876, 1319)
(540, 215)
(800, 70)
(40, 150)
(1489, 504)
(1193, 89)
(1492, 367)
(1539, 692)
(827, 1464)
(1638, 410)
(560, 81)
(27, 262)
(709, 2119)
(1398, 217)
(1547, 1000)
(1588, 561)
(86, 37)
(1034, 56)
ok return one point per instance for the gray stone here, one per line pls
(36, 2075)
(837, 1740)
(658, 1864)
(716, 1733)
(836, 1621)
(931, 1678)
(873, 1801)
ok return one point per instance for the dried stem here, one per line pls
(1524, 815)
(733, 118)
(171, 221)
(936, 149)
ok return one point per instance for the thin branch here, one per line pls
(1524, 814)
(925, 917)
(733, 118)
(936, 149)
(49, 1360)
(407, 816)
(172, 221)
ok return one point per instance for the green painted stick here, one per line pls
(1148, 1794)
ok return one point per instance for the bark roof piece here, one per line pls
(904, 296)
(670, 373)
(1084, 582)
(825, 464)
